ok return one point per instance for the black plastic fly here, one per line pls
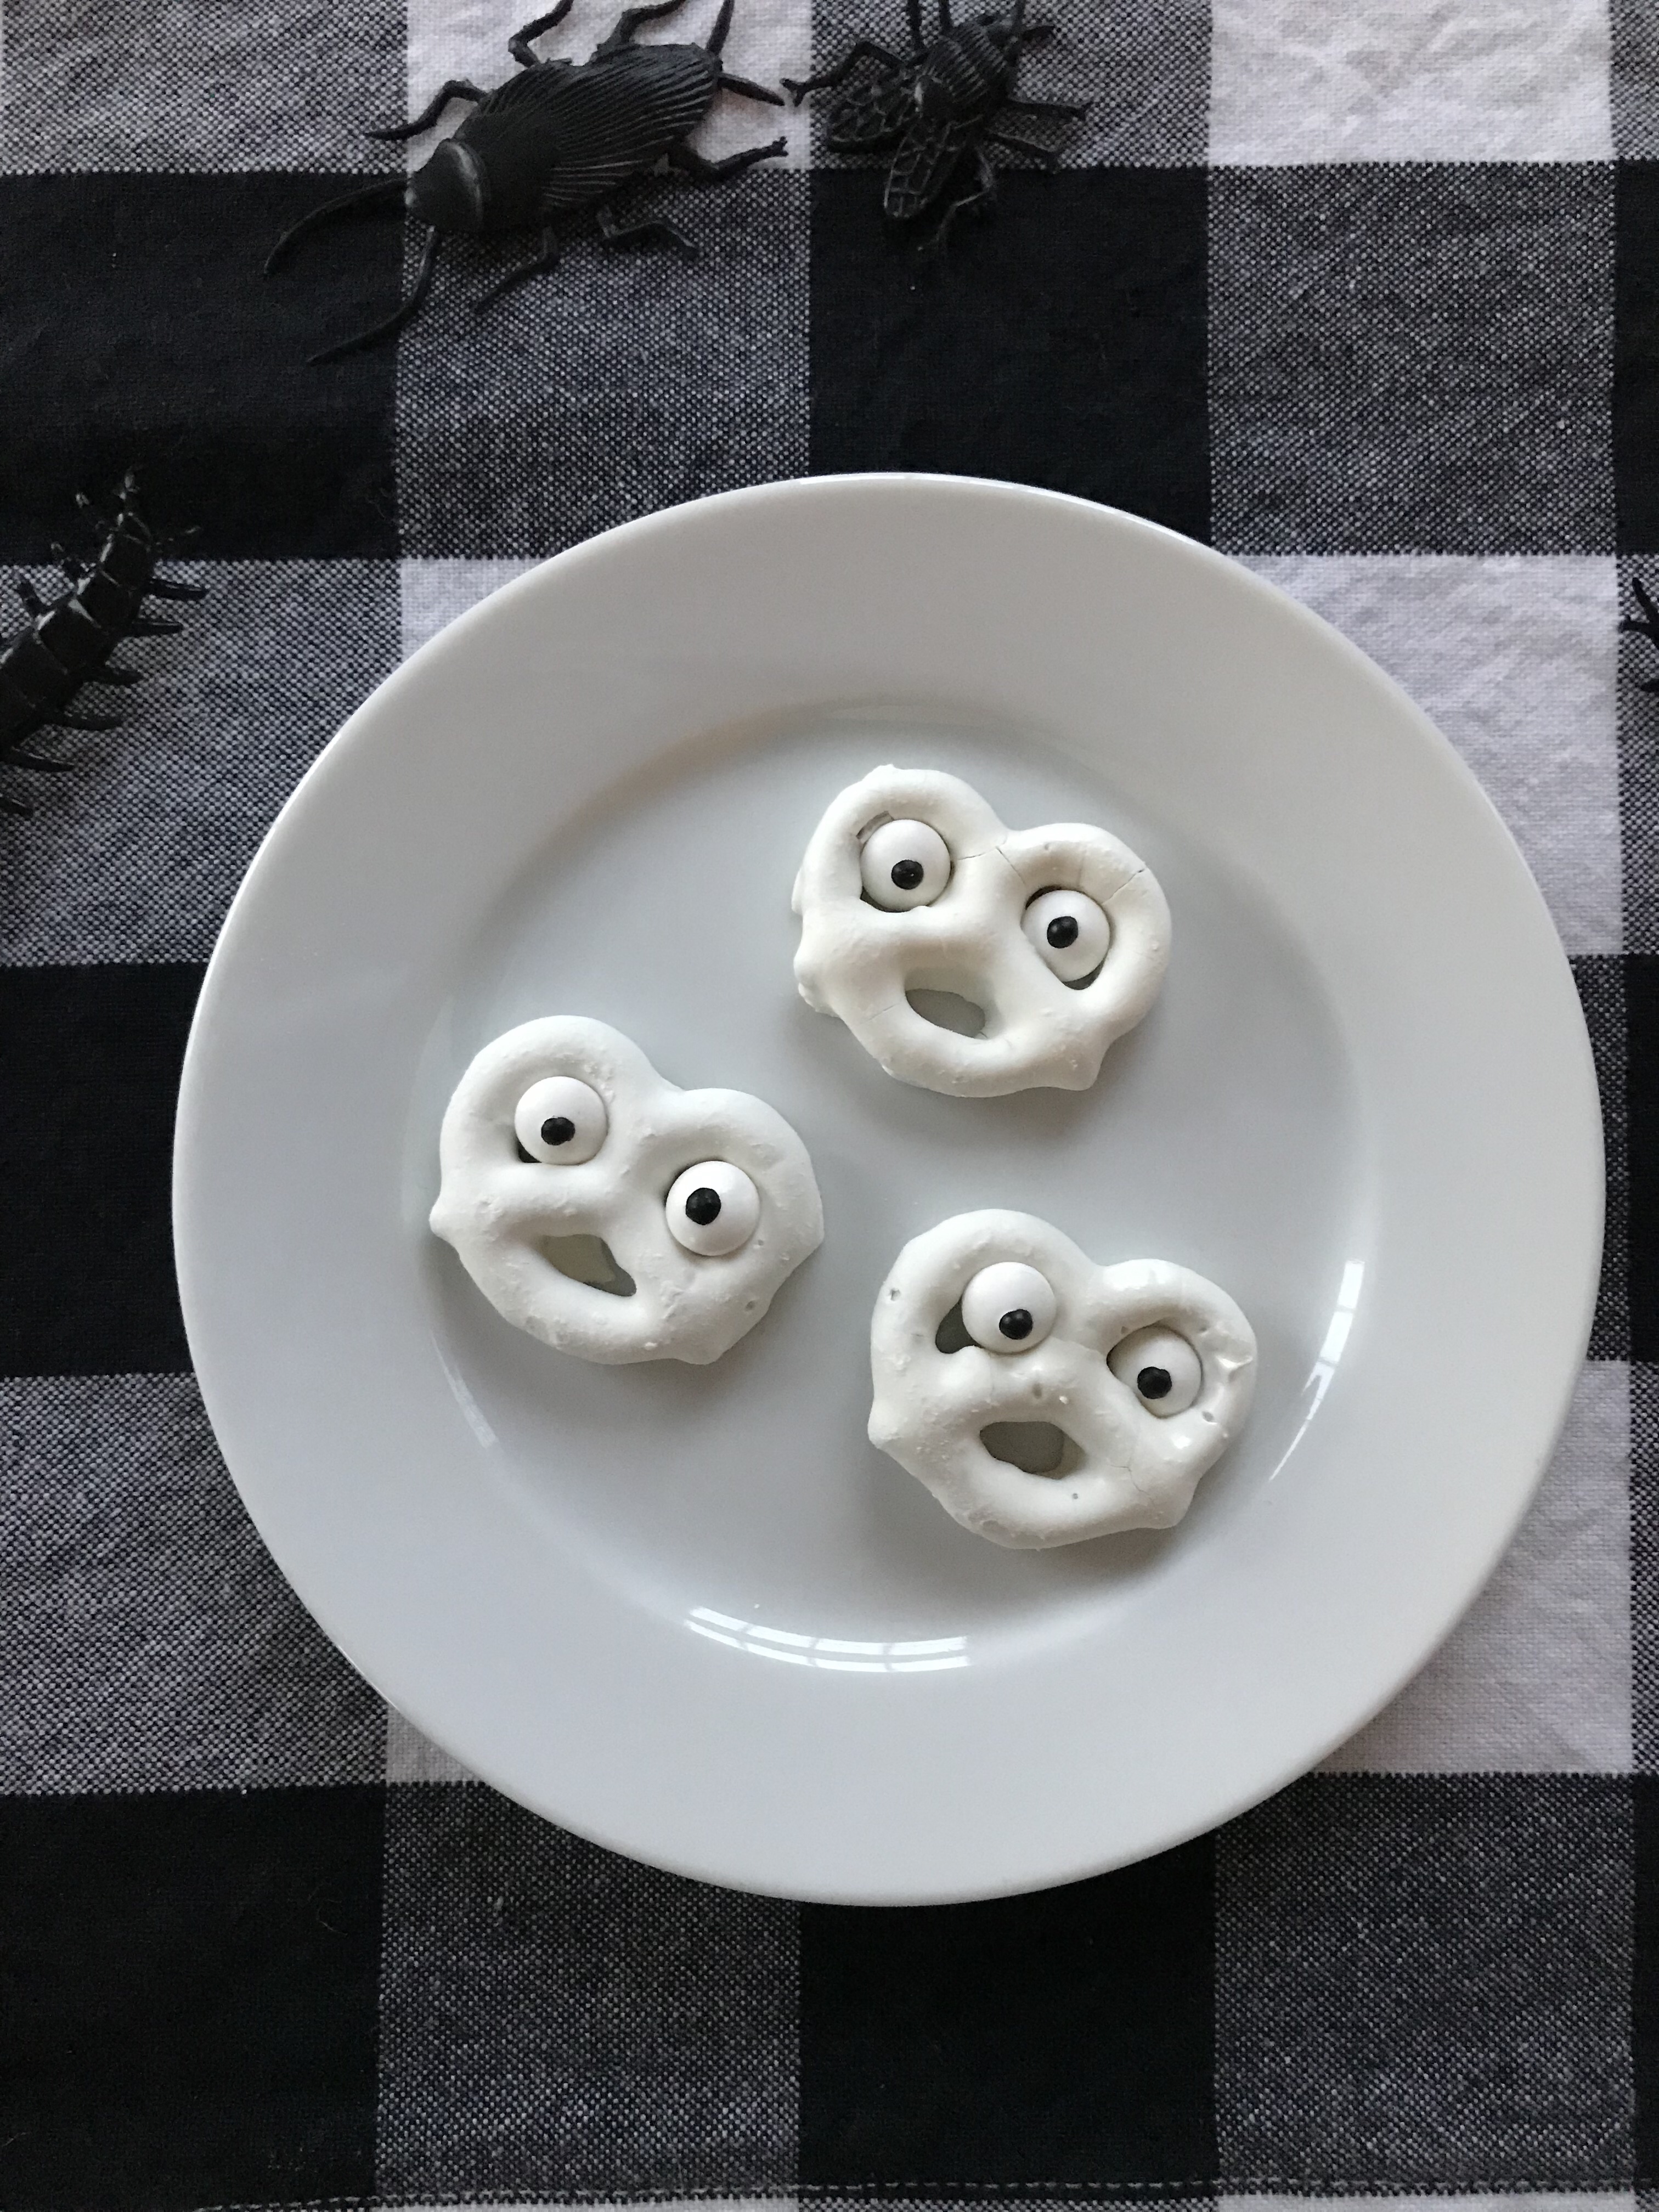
(70, 637)
(938, 109)
(562, 138)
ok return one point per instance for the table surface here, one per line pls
(1368, 297)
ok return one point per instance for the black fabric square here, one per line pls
(190, 1998)
(1423, 1982)
(560, 2022)
(1600, 981)
(1642, 1019)
(89, 1060)
(139, 330)
(1061, 2040)
(1412, 358)
(1636, 373)
(1059, 341)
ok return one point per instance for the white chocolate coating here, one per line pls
(1124, 1467)
(498, 1210)
(857, 962)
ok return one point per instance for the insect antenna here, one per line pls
(387, 194)
(393, 323)
(716, 37)
(162, 588)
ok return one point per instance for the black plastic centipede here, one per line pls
(70, 637)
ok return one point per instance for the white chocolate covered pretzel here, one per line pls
(1146, 1369)
(910, 884)
(692, 1205)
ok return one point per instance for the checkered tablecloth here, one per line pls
(1365, 292)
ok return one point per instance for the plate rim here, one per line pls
(240, 920)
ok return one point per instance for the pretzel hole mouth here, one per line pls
(947, 1010)
(1034, 1447)
(951, 1334)
(589, 1260)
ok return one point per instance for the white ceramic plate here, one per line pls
(692, 1613)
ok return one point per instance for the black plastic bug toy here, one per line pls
(1646, 626)
(70, 638)
(937, 109)
(565, 135)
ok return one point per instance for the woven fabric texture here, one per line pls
(1366, 295)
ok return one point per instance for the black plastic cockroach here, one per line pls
(938, 109)
(563, 137)
(70, 638)
(1646, 625)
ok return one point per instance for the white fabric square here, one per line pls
(1536, 1678)
(769, 39)
(436, 592)
(1516, 658)
(1410, 80)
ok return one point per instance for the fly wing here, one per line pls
(871, 114)
(926, 154)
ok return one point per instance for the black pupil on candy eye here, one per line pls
(906, 874)
(557, 1129)
(1154, 1382)
(703, 1205)
(1062, 931)
(1016, 1323)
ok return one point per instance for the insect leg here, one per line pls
(629, 20)
(547, 259)
(39, 760)
(14, 806)
(148, 626)
(161, 587)
(656, 229)
(690, 163)
(1074, 108)
(388, 193)
(983, 196)
(742, 85)
(457, 88)
(1015, 144)
(946, 23)
(827, 80)
(109, 673)
(519, 45)
(85, 722)
(31, 598)
(394, 322)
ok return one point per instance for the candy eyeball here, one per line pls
(1160, 1367)
(712, 1209)
(1008, 1307)
(904, 864)
(561, 1121)
(1070, 932)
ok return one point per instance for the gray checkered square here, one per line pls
(621, 382)
(1412, 359)
(1602, 993)
(555, 2019)
(1635, 78)
(1426, 1981)
(151, 1642)
(198, 84)
(136, 856)
(1638, 754)
(1146, 71)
